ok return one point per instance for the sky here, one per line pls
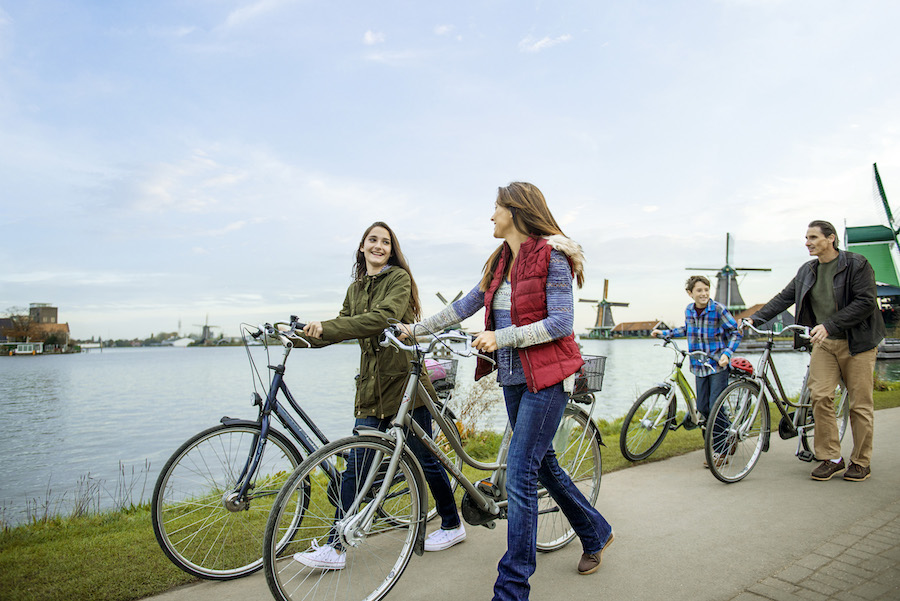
(217, 161)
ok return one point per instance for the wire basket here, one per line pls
(443, 375)
(590, 377)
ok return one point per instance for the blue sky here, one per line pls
(164, 161)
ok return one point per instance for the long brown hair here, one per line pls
(396, 259)
(531, 216)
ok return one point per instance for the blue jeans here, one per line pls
(358, 464)
(708, 390)
(535, 418)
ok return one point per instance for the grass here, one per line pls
(114, 556)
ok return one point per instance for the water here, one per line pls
(97, 414)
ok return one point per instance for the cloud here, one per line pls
(370, 38)
(443, 29)
(250, 12)
(529, 44)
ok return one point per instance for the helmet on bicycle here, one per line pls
(742, 365)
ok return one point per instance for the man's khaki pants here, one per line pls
(831, 360)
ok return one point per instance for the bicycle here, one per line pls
(391, 482)
(654, 412)
(213, 496)
(745, 404)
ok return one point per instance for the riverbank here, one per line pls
(95, 557)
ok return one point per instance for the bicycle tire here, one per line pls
(641, 435)
(577, 448)
(193, 525)
(744, 408)
(374, 560)
(842, 414)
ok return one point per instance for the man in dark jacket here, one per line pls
(834, 294)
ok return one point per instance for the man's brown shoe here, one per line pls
(857, 473)
(827, 469)
(590, 563)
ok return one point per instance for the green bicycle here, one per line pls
(654, 413)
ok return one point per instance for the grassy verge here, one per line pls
(114, 556)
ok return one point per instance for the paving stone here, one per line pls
(794, 574)
(779, 584)
(813, 561)
(830, 549)
(872, 590)
(836, 583)
(747, 596)
(819, 587)
(775, 594)
(850, 578)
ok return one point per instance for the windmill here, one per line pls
(879, 245)
(206, 332)
(604, 324)
(727, 292)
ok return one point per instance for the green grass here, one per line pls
(114, 556)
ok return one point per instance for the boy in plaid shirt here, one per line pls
(710, 328)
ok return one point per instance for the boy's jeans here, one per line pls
(708, 390)
(535, 418)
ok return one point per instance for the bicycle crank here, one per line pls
(476, 516)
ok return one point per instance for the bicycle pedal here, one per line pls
(490, 525)
(805, 456)
(489, 488)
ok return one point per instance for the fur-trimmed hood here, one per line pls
(570, 248)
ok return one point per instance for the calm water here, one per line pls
(95, 414)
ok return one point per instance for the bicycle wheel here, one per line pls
(841, 412)
(647, 424)
(375, 553)
(199, 528)
(577, 446)
(737, 431)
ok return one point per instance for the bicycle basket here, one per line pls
(590, 376)
(442, 373)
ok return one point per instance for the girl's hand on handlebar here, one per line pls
(406, 331)
(313, 329)
(486, 342)
(655, 333)
(723, 361)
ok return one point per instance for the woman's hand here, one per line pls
(485, 342)
(406, 330)
(313, 329)
(723, 361)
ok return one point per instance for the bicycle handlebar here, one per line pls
(701, 354)
(285, 337)
(392, 332)
(803, 330)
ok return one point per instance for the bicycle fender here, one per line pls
(232, 421)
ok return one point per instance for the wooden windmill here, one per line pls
(727, 292)
(604, 324)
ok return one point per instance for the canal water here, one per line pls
(111, 419)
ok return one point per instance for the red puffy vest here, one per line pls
(544, 364)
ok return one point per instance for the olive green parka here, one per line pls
(369, 306)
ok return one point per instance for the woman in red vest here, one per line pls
(526, 291)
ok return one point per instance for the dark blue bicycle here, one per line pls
(213, 496)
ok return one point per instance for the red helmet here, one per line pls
(742, 365)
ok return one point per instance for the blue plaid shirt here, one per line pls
(714, 331)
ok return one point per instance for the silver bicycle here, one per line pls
(384, 523)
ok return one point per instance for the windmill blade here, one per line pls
(587, 300)
(458, 296)
(617, 304)
(883, 196)
(703, 268)
(753, 269)
(728, 248)
(441, 297)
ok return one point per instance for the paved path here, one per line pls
(682, 535)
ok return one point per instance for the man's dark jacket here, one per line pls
(857, 316)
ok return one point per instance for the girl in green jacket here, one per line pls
(383, 291)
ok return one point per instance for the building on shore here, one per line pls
(637, 329)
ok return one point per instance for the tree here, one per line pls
(21, 327)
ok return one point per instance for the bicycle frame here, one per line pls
(266, 408)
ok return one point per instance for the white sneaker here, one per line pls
(444, 539)
(325, 557)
